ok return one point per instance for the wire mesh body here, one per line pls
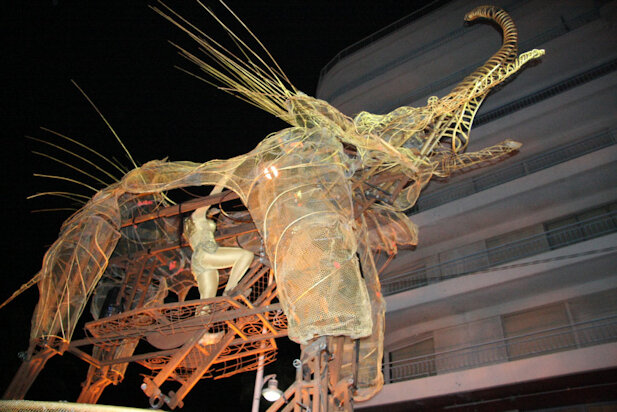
(305, 217)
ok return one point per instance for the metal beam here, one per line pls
(183, 207)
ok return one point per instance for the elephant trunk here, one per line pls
(505, 55)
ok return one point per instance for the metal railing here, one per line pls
(540, 161)
(543, 242)
(548, 92)
(566, 337)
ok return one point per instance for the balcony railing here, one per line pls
(567, 337)
(543, 242)
(541, 161)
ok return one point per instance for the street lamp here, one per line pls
(272, 393)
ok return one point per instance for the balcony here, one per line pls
(574, 336)
(552, 239)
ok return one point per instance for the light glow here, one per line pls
(272, 393)
(271, 172)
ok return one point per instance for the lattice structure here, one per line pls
(249, 323)
(321, 383)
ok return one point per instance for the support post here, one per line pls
(27, 373)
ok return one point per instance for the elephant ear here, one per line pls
(245, 73)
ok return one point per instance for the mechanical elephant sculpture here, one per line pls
(322, 193)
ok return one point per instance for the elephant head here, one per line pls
(449, 119)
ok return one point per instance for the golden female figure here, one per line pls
(209, 257)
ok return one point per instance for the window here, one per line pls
(469, 345)
(537, 331)
(516, 245)
(581, 226)
(595, 317)
(462, 260)
(413, 361)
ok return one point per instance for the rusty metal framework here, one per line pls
(178, 327)
(241, 318)
(319, 385)
(251, 318)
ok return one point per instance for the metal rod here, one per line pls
(182, 207)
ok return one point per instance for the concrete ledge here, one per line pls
(541, 367)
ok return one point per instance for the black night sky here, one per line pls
(118, 52)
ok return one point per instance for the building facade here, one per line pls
(510, 299)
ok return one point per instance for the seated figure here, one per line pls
(209, 257)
